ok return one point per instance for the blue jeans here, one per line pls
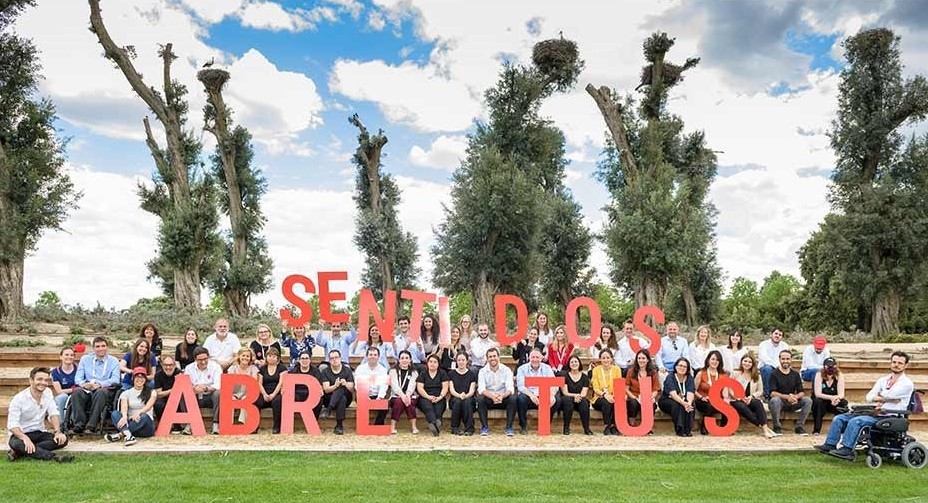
(144, 427)
(765, 371)
(850, 425)
(808, 375)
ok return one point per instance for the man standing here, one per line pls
(374, 376)
(163, 383)
(206, 375)
(786, 394)
(673, 347)
(494, 390)
(891, 393)
(26, 421)
(337, 387)
(336, 341)
(480, 346)
(528, 395)
(813, 357)
(222, 344)
(97, 376)
(768, 356)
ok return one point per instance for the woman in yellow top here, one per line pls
(604, 377)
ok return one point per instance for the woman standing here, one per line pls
(524, 347)
(403, 385)
(462, 390)
(270, 382)
(559, 350)
(828, 389)
(133, 416)
(456, 347)
(700, 347)
(263, 343)
(183, 353)
(603, 390)
(573, 395)
(642, 370)
(677, 398)
(750, 407)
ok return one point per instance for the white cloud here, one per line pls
(446, 152)
(375, 21)
(213, 11)
(407, 94)
(271, 16)
(102, 252)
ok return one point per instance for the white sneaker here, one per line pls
(186, 430)
(112, 437)
(215, 429)
(130, 440)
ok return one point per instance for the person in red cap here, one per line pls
(133, 415)
(813, 357)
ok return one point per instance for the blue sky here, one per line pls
(765, 94)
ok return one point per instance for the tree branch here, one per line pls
(612, 113)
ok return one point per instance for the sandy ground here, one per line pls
(404, 441)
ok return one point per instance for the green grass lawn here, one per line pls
(442, 476)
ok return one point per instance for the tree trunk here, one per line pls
(11, 290)
(885, 314)
(483, 300)
(692, 310)
(649, 292)
(236, 303)
(187, 289)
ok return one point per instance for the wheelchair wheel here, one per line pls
(914, 455)
(874, 460)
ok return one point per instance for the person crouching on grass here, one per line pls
(133, 417)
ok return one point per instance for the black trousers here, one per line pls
(753, 412)
(820, 407)
(96, 401)
(44, 445)
(338, 402)
(607, 409)
(633, 408)
(432, 411)
(276, 404)
(462, 411)
(484, 404)
(682, 420)
(568, 406)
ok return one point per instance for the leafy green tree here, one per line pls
(48, 298)
(390, 253)
(246, 268)
(565, 252)
(36, 192)
(490, 239)
(880, 190)
(827, 303)
(660, 228)
(741, 307)
(779, 301)
(182, 197)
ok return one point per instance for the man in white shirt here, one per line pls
(813, 357)
(768, 357)
(372, 375)
(222, 344)
(206, 375)
(25, 421)
(402, 341)
(495, 390)
(891, 393)
(528, 397)
(480, 346)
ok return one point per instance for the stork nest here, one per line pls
(213, 78)
(559, 60)
(657, 43)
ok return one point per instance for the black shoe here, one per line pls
(778, 430)
(651, 433)
(12, 455)
(433, 428)
(826, 448)
(801, 431)
(587, 431)
(703, 430)
(339, 430)
(276, 431)
(845, 453)
(78, 429)
(63, 458)
(468, 433)
(567, 431)
(688, 434)
(455, 431)
(615, 432)
(523, 431)
(607, 431)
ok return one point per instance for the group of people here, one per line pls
(428, 376)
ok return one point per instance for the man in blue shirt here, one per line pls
(336, 340)
(528, 397)
(97, 378)
(673, 347)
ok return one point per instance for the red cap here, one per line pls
(139, 370)
(819, 343)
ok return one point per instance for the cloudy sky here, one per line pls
(765, 94)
